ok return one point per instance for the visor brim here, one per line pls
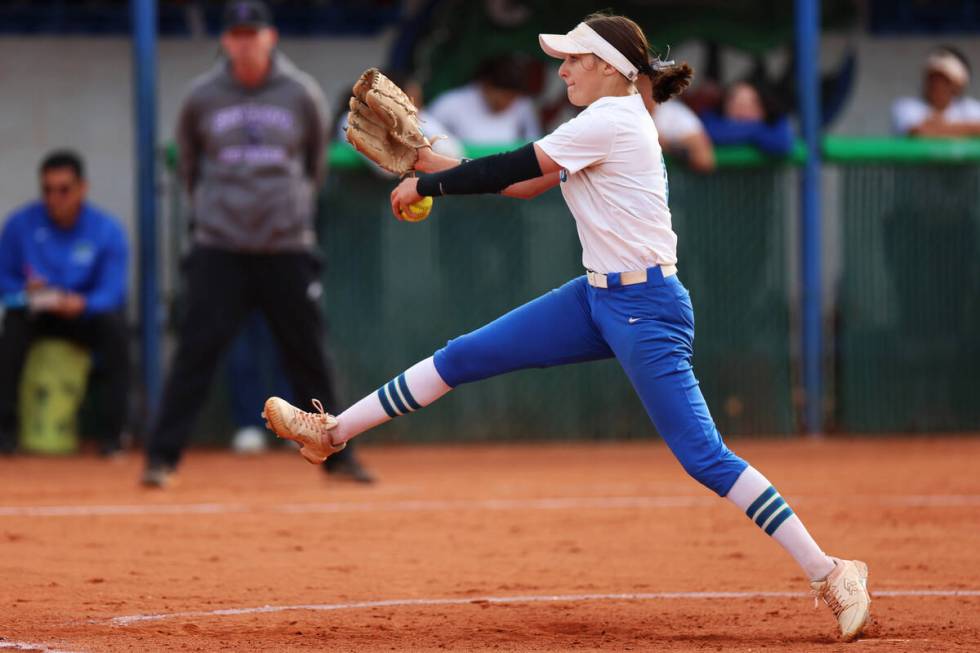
(560, 46)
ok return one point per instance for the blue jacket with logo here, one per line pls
(90, 258)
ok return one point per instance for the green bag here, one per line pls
(52, 387)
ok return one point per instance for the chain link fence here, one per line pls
(904, 347)
(908, 320)
(396, 292)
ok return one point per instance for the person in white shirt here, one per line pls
(943, 110)
(680, 131)
(629, 305)
(491, 110)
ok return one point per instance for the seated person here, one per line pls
(750, 117)
(679, 129)
(943, 109)
(63, 275)
(494, 109)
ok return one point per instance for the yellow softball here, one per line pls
(417, 211)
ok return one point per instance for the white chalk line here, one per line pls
(424, 505)
(553, 598)
(27, 646)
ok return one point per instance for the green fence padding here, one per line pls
(835, 149)
(342, 156)
(51, 391)
(908, 355)
(918, 151)
(744, 156)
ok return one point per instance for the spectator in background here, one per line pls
(251, 136)
(749, 116)
(493, 109)
(943, 109)
(679, 129)
(253, 372)
(63, 274)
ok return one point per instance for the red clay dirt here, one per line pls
(81, 545)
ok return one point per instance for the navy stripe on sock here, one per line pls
(758, 503)
(403, 385)
(771, 508)
(778, 521)
(386, 404)
(393, 391)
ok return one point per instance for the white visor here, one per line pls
(950, 66)
(585, 40)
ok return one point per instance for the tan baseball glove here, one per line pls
(383, 124)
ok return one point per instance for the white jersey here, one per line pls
(467, 117)
(615, 184)
(910, 112)
(676, 122)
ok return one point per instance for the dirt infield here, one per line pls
(511, 548)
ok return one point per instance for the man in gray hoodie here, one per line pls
(251, 136)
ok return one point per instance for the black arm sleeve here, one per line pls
(489, 174)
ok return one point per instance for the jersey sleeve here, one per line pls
(971, 109)
(581, 142)
(907, 114)
(109, 290)
(675, 122)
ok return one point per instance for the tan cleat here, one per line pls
(310, 430)
(845, 590)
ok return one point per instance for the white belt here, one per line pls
(600, 280)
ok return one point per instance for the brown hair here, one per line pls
(627, 37)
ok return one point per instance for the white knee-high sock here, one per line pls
(754, 494)
(416, 388)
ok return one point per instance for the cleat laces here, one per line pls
(835, 600)
(318, 422)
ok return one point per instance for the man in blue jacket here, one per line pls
(63, 274)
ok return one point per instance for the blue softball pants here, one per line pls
(648, 327)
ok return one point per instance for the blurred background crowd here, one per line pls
(899, 225)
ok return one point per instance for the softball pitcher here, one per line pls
(629, 305)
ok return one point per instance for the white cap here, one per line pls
(585, 40)
(949, 65)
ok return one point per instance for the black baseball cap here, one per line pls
(247, 13)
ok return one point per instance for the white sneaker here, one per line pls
(845, 591)
(249, 440)
(310, 430)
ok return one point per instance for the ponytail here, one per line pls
(667, 78)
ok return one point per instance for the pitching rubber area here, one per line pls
(550, 547)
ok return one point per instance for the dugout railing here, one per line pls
(394, 292)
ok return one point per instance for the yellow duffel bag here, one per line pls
(52, 387)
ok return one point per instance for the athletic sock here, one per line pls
(754, 494)
(416, 388)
